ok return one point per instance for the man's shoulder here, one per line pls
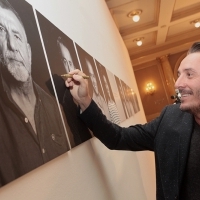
(174, 107)
(175, 112)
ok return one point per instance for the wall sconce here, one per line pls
(150, 88)
(138, 41)
(196, 23)
(135, 14)
(132, 92)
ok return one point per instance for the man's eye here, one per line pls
(2, 29)
(70, 63)
(64, 60)
(189, 74)
(17, 37)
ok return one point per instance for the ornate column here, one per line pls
(168, 74)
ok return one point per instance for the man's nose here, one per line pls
(179, 82)
(67, 66)
(11, 42)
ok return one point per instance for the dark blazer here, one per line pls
(168, 136)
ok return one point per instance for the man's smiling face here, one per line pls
(188, 83)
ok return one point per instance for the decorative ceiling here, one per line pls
(165, 26)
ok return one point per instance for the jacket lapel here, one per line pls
(184, 145)
(172, 150)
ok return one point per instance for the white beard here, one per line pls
(18, 71)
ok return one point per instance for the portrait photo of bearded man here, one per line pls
(32, 132)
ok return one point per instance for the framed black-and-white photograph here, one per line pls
(135, 102)
(122, 96)
(109, 97)
(62, 59)
(89, 67)
(116, 94)
(32, 129)
(127, 94)
(116, 85)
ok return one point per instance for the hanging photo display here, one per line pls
(96, 92)
(62, 58)
(32, 130)
(38, 118)
(110, 101)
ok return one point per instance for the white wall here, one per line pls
(90, 171)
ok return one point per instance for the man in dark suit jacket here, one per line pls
(174, 136)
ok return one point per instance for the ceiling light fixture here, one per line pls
(138, 41)
(196, 23)
(135, 15)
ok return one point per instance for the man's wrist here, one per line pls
(85, 103)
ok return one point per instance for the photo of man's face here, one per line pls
(93, 77)
(66, 57)
(14, 50)
(88, 66)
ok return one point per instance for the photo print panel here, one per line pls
(116, 95)
(128, 102)
(130, 93)
(89, 68)
(62, 59)
(122, 96)
(135, 102)
(32, 132)
(133, 99)
(110, 100)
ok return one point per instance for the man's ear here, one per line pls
(29, 53)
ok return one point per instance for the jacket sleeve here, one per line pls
(134, 138)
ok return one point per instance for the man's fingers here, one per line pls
(76, 79)
(77, 72)
(66, 83)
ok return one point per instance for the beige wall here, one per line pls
(90, 171)
(152, 71)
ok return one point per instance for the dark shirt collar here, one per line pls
(7, 95)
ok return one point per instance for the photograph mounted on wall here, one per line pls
(88, 66)
(122, 96)
(62, 58)
(105, 82)
(116, 95)
(134, 100)
(32, 130)
(127, 99)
